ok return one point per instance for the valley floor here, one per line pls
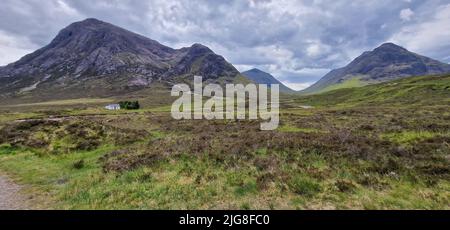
(377, 147)
(347, 158)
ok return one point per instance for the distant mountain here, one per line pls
(95, 58)
(385, 63)
(261, 77)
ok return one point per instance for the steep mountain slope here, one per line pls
(261, 77)
(422, 90)
(95, 58)
(385, 63)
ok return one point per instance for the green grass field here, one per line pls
(418, 91)
(350, 83)
(383, 146)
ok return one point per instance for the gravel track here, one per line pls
(10, 196)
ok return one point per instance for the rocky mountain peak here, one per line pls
(255, 70)
(386, 62)
(389, 46)
(95, 51)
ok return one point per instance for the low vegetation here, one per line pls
(349, 83)
(348, 155)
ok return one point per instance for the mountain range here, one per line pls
(95, 58)
(385, 63)
(92, 58)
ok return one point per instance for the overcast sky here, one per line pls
(296, 41)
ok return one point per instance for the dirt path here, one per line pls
(10, 197)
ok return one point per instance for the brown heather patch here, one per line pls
(64, 136)
(234, 144)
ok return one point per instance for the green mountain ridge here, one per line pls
(422, 90)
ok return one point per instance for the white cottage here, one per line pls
(112, 107)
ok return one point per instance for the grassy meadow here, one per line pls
(384, 146)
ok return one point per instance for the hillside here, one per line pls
(261, 77)
(423, 90)
(94, 58)
(385, 63)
